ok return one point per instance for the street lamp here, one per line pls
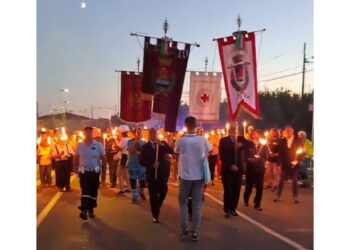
(64, 105)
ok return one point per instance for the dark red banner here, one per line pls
(132, 107)
(164, 68)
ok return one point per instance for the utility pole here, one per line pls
(303, 81)
(206, 64)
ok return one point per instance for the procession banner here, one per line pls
(164, 68)
(238, 62)
(132, 107)
(205, 94)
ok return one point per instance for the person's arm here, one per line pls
(76, 161)
(167, 148)
(222, 150)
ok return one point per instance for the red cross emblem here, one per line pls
(205, 98)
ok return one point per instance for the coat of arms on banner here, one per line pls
(239, 73)
(165, 77)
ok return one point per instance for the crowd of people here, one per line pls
(147, 158)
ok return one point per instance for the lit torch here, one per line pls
(227, 126)
(297, 153)
(244, 127)
(262, 142)
(206, 135)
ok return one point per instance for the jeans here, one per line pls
(45, 174)
(122, 174)
(284, 176)
(273, 173)
(194, 189)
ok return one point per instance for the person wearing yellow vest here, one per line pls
(44, 157)
(305, 164)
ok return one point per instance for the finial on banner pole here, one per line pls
(138, 65)
(239, 22)
(206, 64)
(165, 27)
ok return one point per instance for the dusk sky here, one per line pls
(79, 48)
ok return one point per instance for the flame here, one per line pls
(145, 127)
(38, 141)
(160, 137)
(114, 132)
(244, 124)
(49, 140)
(181, 133)
(43, 129)
(266, 134)
(262, 141)
(227, 126)
(206, 135)
(184, 129)
(299, 151)
(212, 132)
(104, 136)
(222, 131)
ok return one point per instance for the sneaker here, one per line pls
(194, 236)
(233, 213)
(83, 215)
(91, 214)
(185, 235)
(135, 201)
(155, 220)
(121, 193)
(258, 208)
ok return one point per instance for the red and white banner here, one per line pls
(238, 62)
(132, 107)
(205, 94)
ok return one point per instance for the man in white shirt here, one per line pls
(87, 159)
(122, 170)
(191, 150)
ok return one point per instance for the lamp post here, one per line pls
(64, 105)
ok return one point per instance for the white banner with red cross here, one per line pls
(205, 95)
(238, 62)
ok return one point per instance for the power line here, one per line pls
(280, 77)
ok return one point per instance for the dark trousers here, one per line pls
(158, 190)
(212, 159)
(232, 187)
(45, 174)
(112, 165)
(89, 183)
(257, 180)
(284, 176)
(103, 172)
(62, 172)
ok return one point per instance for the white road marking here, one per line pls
(43, 214)
(263, 227)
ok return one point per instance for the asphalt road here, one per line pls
(122, 225)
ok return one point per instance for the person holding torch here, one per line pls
(156, 161)
(290, 153)
(256, 153)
